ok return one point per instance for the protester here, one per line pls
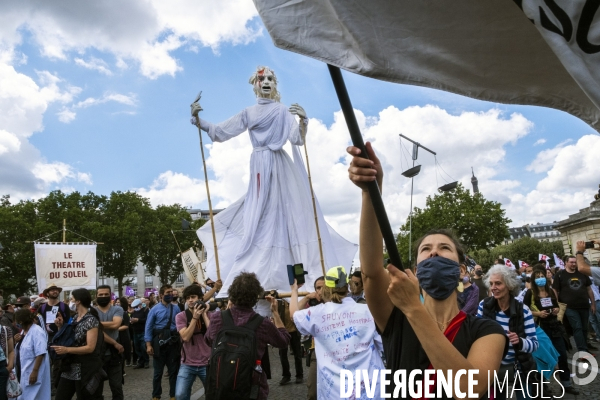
(516, 320)
(111, 317)
(82, 365)
(574, 289)
(295, 346)
(213, 290)
(165, 351)
(7, 358)
(124, 338)
(477, 280)
(151, 300)
(414, 334)
(133, 360)
(138, 323)
(33, 366)
(49, 311)
(176, 301)
(310, 300)
(595, 317)
(543, 304)
(357, 291)
(363, 339)
(8, 317)
(195, 353)
(243, 294)
(468, 298)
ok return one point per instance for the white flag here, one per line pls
(509, 263)
(558, 262)
(538, 52)
(523, 264)
(191, 264)
(544, 257)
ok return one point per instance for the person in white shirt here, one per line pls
(338, 325)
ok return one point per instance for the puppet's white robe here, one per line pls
(273, 225)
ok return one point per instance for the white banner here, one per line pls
(191, 265)
(537, 52)
(69, 266)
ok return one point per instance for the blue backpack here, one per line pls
(64, 337)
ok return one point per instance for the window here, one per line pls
(179, 278)
(102, 281)
(148, 280)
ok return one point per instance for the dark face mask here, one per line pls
(438, 276)
(168, 298)
(175, 298)
(479, 272)
(103, 301)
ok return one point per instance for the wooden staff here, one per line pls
(312, 193)
(212, 222)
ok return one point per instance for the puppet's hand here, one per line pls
(196, 108)
(297, 109)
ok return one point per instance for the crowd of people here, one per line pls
(446, 314)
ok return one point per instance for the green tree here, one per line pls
(17, 265)
(526, 249)
(120, 227)
(160, 252)
(479, 223)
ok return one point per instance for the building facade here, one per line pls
(544, 232)
(585, 225)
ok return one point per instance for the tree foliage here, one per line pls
(479, 223)
(125, 222)
(525, 249)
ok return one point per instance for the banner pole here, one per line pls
(64, 230)
(210, 210)
(312, 193)
(373, 187)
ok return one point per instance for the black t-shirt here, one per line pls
(572, 289)
(483, 290)
(403, 350)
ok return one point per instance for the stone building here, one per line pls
(585, 225)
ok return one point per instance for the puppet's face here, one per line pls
(265, 85)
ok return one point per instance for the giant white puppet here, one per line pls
(273, 225)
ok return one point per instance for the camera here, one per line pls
(589, 245)
(211, 306)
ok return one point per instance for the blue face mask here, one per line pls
(143, 305)
(168, 298)
(540, 281)
(438, 276)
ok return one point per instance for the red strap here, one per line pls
(450, 334)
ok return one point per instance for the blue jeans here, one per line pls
(579, 318)
(595, 320)
(185, 379)
(139, 345)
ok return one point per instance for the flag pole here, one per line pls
(210, 210)
(373, 187)
(312, 193)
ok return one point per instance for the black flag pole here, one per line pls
(357, 140)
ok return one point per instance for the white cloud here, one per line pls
(145, 32)
(95, 64)
(483, 136)
(66, 116)
(545, 159)
(539, 142)
(130, 100)
(23, 102)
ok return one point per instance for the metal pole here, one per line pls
(418, 144)
(212, 223)
(314, 203)
(410, 219)
(373, 187)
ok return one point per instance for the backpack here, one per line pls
(64, 337)
(232, 360)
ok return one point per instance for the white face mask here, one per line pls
(73, 306)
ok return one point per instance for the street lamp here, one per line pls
(411, 173)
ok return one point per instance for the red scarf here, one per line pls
(450, 334)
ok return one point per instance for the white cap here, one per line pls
(136, 303)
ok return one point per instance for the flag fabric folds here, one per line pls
(558, 262)
(523, 264)
(545, 258)
(509, 263)
(521, 52)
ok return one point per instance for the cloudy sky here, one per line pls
(96, 98)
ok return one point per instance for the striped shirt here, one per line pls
(530, 343)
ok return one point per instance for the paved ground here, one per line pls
(138, 384)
